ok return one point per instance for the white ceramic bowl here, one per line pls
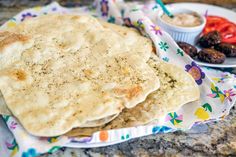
(179, 33)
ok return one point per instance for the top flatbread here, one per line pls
(177, 88)
(55, 75)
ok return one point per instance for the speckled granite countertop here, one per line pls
(212, 139)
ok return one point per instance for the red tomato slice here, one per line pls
(230, 40)
(226, 28)
(227, 32)
(212, 23)
(216, 18)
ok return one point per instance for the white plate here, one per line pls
(212, 10)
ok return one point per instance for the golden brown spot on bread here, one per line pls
(75, 17)
(129, 93)
(120, 91)
(133, 92)
(62, 45)
(7, 38)
(125, 70)
(87, 72)
(153, 49)
(19, 75)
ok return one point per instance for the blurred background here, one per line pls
(18, 3)
(9, 8)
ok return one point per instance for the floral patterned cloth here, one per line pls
(218, 89)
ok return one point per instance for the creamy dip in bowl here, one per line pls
(186, 25)
(183, 19)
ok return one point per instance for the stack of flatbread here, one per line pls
(75, 75)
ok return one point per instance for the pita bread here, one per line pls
(133, 38)
(55, 75)
(177, 88)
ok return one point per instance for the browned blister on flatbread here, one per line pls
(7, 38)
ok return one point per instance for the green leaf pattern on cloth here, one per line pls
(180, 52)
(164, 46)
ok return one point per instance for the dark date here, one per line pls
(211, 56)
(188, 49)
(209, 40)
(228, 49)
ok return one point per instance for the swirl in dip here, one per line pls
(183, 19)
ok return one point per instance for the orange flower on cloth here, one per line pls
(103, 136)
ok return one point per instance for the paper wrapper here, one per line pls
(218, 89)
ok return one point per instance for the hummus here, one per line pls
(183, 19)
